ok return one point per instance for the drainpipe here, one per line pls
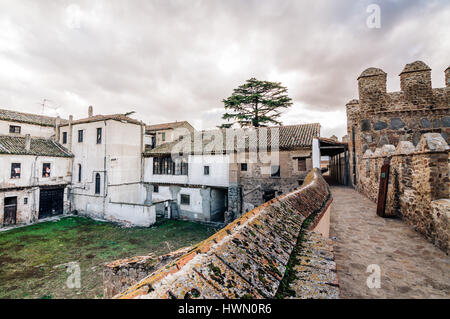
(57, 128)
(105, 185)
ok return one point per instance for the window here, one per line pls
(46, 170)
(15, 170)
(14, 129)
(25, 201)
(80, 136)
(185, 199)
(275, 171)
(97, 183)
(99, 135)
(163, 136)
(301, 164)
(64, 138)
(166, 166)
(206, 170)
(244, 167)
(79, 173)
(184, 167)
(155, 188)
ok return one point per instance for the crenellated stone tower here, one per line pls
(379, 117)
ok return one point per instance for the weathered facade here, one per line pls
(158, 134)
(33, 180)
(411, 130)
(124, 171)
(217, 176)
(107, 168)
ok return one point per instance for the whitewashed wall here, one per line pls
(218, 172)
(31, 177)
(32, 129)
(129, 214)
(118, 161)
(31, 170)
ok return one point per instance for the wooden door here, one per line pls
(10, 211)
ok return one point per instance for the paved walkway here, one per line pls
(411, 267)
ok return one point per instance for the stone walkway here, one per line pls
(411, 267)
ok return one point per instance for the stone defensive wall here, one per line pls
(277, 250)
(418, 189)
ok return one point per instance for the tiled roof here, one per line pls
(97, 118)
(249, 257)
(20, 117)
(15, 145)
(290, 137)
(167, 126)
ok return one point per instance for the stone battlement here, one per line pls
(416, 91)
(274, 250)
(418, 190)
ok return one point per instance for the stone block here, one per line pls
(425, 123)
(397, 123)
(432, 142)
(365, 125)
(380, 125)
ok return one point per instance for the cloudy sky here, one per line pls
(176, 60)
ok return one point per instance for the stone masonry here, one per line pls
(380, 117)
(418, 189)
(411, 129)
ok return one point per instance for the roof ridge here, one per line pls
(61, 148)
(33, 114)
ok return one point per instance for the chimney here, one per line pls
(27, 142)
(90, 111)
(57, 124)
(447, 77)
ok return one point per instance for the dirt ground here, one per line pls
(34, 259)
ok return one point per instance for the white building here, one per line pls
(19, 124)
(33, 180)
(213, 177)
(107, 168)
(116, 168)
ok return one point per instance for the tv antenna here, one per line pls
(43, 105)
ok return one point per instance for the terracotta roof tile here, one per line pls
(98, 118)
(290, 137)
(167, 126)
(38, 146)
(28, 118)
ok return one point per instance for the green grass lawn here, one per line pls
(32, 258)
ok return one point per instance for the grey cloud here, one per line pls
(177, 60)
